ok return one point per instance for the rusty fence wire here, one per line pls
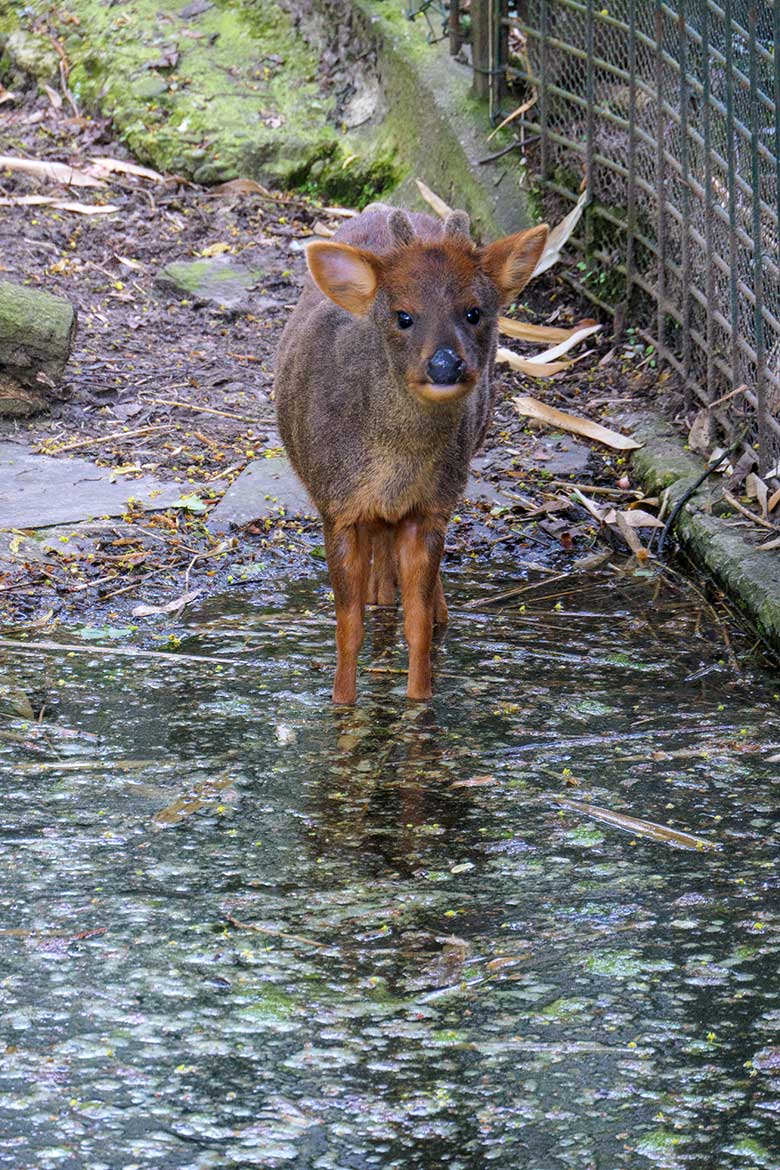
(668, 115)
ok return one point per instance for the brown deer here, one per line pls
(383, 394)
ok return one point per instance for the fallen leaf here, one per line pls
(60, 205)
(559, 236)
(532, 408)
(518, 113)
(54, 98)
(433, 200)
(178, 604)
(551, 355)
(107, 166)
(526, 366)
(524, 331)
(53, 171)
(637, 825)
(639, 518)
(240, 187)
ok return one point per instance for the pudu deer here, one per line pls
(383, 394)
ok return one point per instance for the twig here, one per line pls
(171, 657)
(727, 496)
(201, 409)
(725, 397)
(514, 592)
(79, 443)
(253, 926)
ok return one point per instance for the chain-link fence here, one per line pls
(668, 114)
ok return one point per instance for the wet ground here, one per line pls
(243, 928)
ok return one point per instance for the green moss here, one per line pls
(240, 98)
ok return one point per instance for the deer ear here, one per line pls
(401, 228)
(510, 262)
(349, 276)
(457, 224)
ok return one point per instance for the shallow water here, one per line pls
(241, 928)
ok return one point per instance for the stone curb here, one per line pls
(441, 131)
(751, 579)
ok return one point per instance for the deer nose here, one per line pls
(445, 368)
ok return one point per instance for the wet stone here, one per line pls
(266, 487)
(38, 491)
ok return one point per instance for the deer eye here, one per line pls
(473, 316)
(404, 320)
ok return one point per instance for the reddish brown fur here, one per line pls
(382, 451)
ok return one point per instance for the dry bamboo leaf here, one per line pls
(523, 331)
(757, 490)
(559, 236)
(637, 825)
(592, 509)
(639, 518)
(53, 171)
(60, 205)
(432, 199)
(557, 351)
(702, 433)
(630, 537)
(101, 166)
(178, 603)
(200, 795)
(339, 212)
(526, 366)
(773, 501)
(532, 408)
(54, 98)
(518, 113)
(86, 208)
(322, 229)
(6, 95)
(240, 187)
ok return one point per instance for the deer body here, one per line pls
(383, 393)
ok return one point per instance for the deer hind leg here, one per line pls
(440, 612)
(419, 542)
(382, 581)
(348, 550)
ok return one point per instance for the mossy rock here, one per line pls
(26, 55)
(214, 280)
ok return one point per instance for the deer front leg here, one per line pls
(419, 542)
(347, 550)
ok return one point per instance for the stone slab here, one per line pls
(214, 280)
(38, 491)
(265, 488)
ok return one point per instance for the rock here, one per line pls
(16, 401)
(265, 488)
(32, 54)
(38, 491)
(36, 337)
(215, 280)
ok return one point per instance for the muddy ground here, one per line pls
(159, 383)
